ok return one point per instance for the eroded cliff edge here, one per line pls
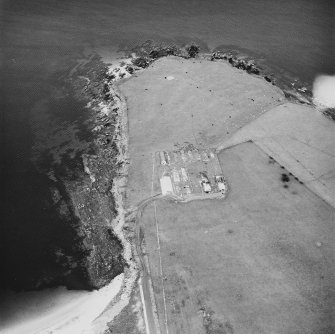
(65, 193)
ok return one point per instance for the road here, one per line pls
(150, 312)
(152, 324)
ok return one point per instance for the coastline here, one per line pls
(145, 58)
(121, 300)
(293, 90)
(112, 291)
(239, 58)
(117, 112)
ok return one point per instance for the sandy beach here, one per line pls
(56, 310)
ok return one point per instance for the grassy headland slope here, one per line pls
(262, 260)
(301, 139)
(204, 103)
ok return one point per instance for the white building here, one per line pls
(221, 183)
(166, 185)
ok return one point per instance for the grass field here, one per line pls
(260, 261)
(300, 138)
(204, 104)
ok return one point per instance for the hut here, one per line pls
(166, 185)
(162, 158)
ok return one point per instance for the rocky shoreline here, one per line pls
(74, 243)
(99, 198)
(292, 91)
(146, 53)
(78, 242)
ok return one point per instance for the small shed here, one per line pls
(166, 185)
(162, 158)
(167, 157)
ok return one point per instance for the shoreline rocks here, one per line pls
(329, 112)
(94, 197)
(74, 243)
(292, 91)
(148, 52)
(246, 65)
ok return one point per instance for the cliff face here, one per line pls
(60, 208)
(92, 197)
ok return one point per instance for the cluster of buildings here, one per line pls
(190, 173)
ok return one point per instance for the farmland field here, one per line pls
(260, 261)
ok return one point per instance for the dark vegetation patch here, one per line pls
(271, 160)
(330, 113)
(285, 178)
(192, 50)
(149, 51)
(141, 62)
(253, 63)
(241, 63)
(214, 326)
(126, 321)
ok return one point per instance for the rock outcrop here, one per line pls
(68, 236)
(241, 61)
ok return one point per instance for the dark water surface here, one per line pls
(43, 129)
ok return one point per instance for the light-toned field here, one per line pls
(262, 261)
(299, 137)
